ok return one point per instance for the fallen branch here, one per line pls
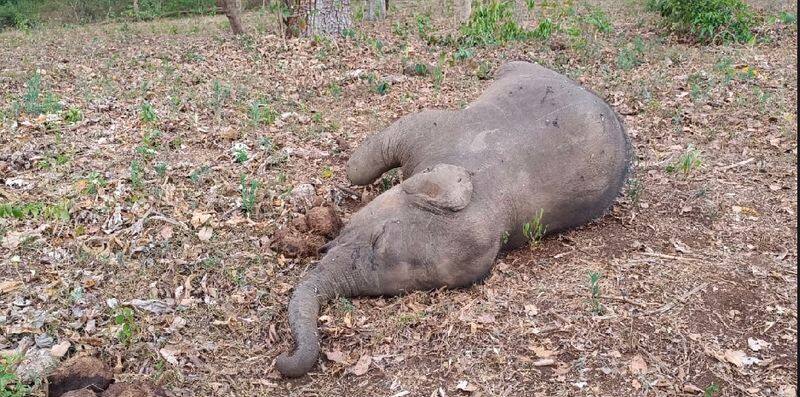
(739, 164)
(682, 299)
(673, 257)
(348, 191)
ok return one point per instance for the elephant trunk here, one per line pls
(321, 285)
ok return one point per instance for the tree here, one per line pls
(463, 10)
(317, 17)
(376, 9)
(232, 9)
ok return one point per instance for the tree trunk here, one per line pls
(322, 17)
(136, 8)
(376, 9)
(232, 9)
(463, 10)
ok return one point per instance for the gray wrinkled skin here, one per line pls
(534, 141)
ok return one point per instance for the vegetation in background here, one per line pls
(710, 21)
(23, 14)
(492, 23)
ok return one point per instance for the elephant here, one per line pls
(534, 147)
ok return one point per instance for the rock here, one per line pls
(323, 221)
(294, 245)
(303, 195)
(133, 389)
(37, 364)
(80, 393)
(80, 373)
(44, 341)
(299, 223)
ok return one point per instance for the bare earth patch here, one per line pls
(172, 215)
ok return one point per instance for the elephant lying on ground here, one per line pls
(535, 146)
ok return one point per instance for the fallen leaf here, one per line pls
(60, 349)
(531, 310)
(336, 356)
(153, 305)
(638, 365)
(9, 286)
(542, 352)
(466, 386)
(170, 355)
(739, 358)
(362, 366)
(757, 344)
(166, 232)
(199, 219)
(487, 318)
(205, 233)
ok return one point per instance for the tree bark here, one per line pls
(376, 9)
(463, 10)
(232, 10)
(322, 17)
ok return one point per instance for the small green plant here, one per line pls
(710, 21)
(335, 90)
(54, 212)
(594, 289)
(484, 71)
(598, 18)
(126, 319)
(688, 161)
(345, 305)
(711, 390)
(93, 182)
(261, 113)
(136, 174)
(544, 29)
(535, 230)
(389, 180)
(504, 237)
(381, 87)
(327, 173)
(266, 143)
(629, 56)
(220, 94)
(438, 76)
(492, 23)
(634, 190)
(147, 114)
(161, 169)
(248, 189)
(198, 173)
(34, 102)
(10, 384)
(240, 155)
(463, 53)
(73, 115)
(530, 5)
(787, 18)
(423, 25)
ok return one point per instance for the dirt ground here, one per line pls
(696, 290)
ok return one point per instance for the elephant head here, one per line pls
(411, 237)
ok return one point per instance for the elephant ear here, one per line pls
(443, 187)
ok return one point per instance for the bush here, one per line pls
(709, 21)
